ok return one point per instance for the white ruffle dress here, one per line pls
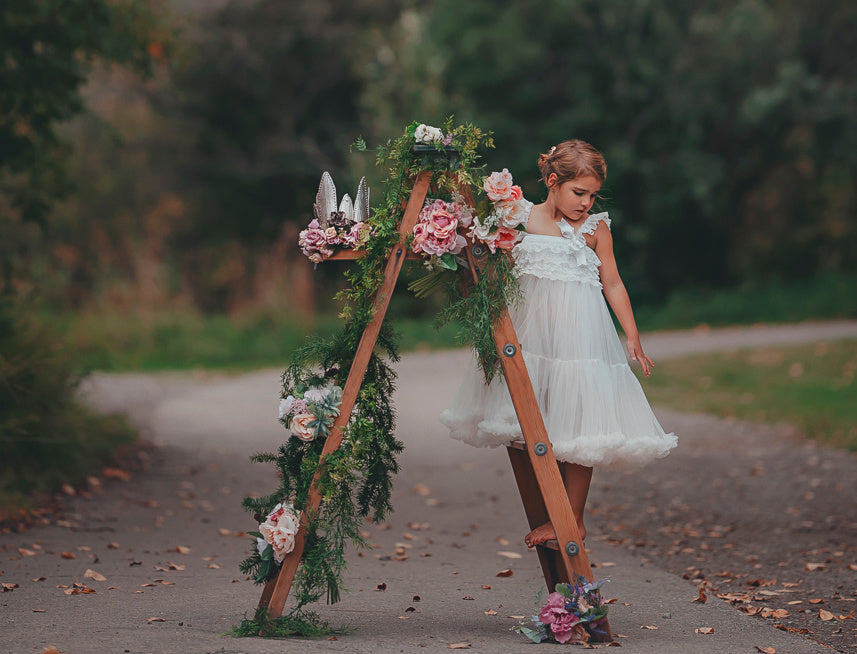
(593, 407)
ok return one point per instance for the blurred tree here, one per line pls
(729, 126)
(271, 99)
(47, 50)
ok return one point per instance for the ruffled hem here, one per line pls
(600, 417)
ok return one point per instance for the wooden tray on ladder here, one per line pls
(536, 471)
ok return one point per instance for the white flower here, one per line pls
(285, 406)
(482, 231)
(279, 531)
(427, 134)
(315, 394)
(261, 544)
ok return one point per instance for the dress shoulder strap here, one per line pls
(591, 223)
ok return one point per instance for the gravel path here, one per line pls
(736, 507)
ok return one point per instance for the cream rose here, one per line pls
(498, 186)
(300, 426)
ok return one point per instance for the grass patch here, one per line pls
(810, 386)
(183, 340)
(302, 624)
(825, 296)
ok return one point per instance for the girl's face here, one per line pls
(574, 198)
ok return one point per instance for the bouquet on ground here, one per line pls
(275, 538)
(501, 223)
(309, 413)
(572, 614)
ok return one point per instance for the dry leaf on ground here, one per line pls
(766, 650)
(510, 555)
(505, 573)
(648, 626)
(825, 615)
(814, 566)
(95, 576)
(701, 598)
(68, 555)
(459, 646)
(156, 620)
(704, 630)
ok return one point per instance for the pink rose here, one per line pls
(299, 426)
(441, 225)
(553, 608)
(331, 236)
(567, 628)
(515, 193)
(506, 238)
(498, 186)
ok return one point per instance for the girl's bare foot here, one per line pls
(540, 535)
(545, 532)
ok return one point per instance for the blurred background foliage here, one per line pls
(159, 157)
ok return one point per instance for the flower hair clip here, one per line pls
(552, 150)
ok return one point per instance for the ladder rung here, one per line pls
(552, 544)
(518, 445)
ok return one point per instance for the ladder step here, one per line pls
(552, 544)
(518, 445)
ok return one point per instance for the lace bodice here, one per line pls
(564, 258)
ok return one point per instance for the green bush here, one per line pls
(46, 437)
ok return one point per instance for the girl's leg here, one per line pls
(576, 479)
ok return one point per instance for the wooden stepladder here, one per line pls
(536, 471)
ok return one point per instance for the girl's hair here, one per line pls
(572, 159)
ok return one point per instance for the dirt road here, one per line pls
(732, 497)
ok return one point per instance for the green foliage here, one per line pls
(47, 50)
(730, 128)
(46, 437)
(304, 623)
(810, 386)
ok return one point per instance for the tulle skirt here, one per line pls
(593, 407)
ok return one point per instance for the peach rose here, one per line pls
(515, 193)
(506, 238)
(300, 426)
(498, 186)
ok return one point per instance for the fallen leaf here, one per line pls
(852, 567)
(23, 551)
(648, 626)
(701, 598)
(459, 646)
(825, 615)
(38, 610)
(156, 620)
(484, 587)
(508, 572)
(490, 612)
(766, 650)
(116, 473)
(175, 566)
(213, 566)
(467, 597)
(40, 579)
(51, 649)
(422, 490)
(95, 576)
(816, 600)
(404, 617)
(181, 549)
(416, 598)
(510, 555)
(381, 587)
(410, 609)
(68, 555)
(704, 630)
(8, 588)
(814, 566)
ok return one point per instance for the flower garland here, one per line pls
(572, 614)
(356, 479)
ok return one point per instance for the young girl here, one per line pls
(593, 406)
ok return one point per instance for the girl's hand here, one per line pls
(637, 354)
